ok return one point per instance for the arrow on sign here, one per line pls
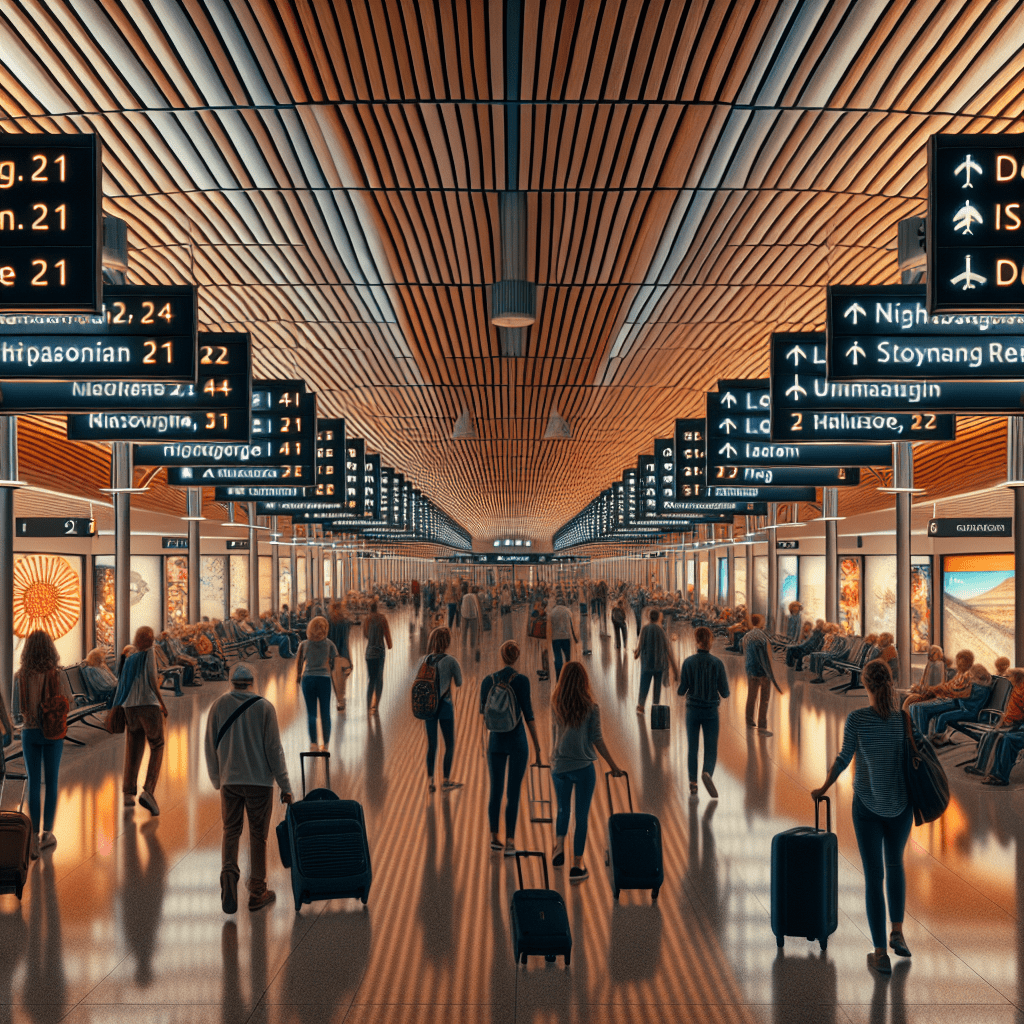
(855, 310)
(796, 390)
(796, 352)
(728, 399)
(728, 426)
(727, 450)
(854, 351)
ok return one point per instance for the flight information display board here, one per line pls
(740, 493)
(372, 488)
(330, 458)
(147, 332)
(886, 333)
(975, 223)
(355, 475)
(647, 486)
(51, 223)
(690, 458)
(244, 492)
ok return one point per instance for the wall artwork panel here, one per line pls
(978, 606)
(850, 572)
(812, 586)
(213, 586)
(48, 595)
(760, 585)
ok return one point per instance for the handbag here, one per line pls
(53, 709)
(116, 720)
(927, 785)
(539, 627)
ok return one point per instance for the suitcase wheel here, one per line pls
(780, 941)
(615, 893)
(655, 891)
(550, 958)
(522, 958)
(566, 959)
(823, 943)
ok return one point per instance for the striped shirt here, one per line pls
(878, 745)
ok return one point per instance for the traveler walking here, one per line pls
(655, 655)
(561, 633)
(506, 612)
(882, 813)
(39, 680)
(584, 599)
(138, 693)
(760, 677)
(339, 624)
(601, 596)
(505, 711)
(576, 740)
(378, 643)
(447, 671)
(454, 596)
(703, 681)
(472, 613)
(619, 624)
(243, 758)
(314, 670)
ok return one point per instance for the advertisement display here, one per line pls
(213, 586)
(978, 605)
(812, 587)
(146, 589)
(48, 594)
(789, 583)
(850, 571)
(740, 578)
(722, 596)
(760, 585)
(880, 598)
(175, 591)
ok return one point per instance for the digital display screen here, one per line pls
(330, 458)
(51, 240)
(689, 448)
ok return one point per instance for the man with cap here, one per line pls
(243, 757)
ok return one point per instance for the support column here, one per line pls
(1015, 478)
(730, 561)
(293, 556)
(254, 565)
(829, 511)
(310, 592)
(8, 476)
(903, 479)
(748, 590)
(275, 567)
(194, 498)
(773, 570)
(122, 470)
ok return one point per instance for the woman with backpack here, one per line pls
(440, 670)
(576, 741)
(505, 704)
(39, 682)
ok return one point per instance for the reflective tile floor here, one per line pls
(122, 921)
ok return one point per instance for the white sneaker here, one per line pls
(46, 840)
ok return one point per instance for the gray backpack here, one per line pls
(501, 709)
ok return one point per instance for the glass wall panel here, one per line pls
(301, 571)
(788, 583)
(850, 595)
(285, 586)
(146, 588)
(760, 585)
(723, 581)
(213, 590)
(265, 567)
(239, 583)
(880, 597)
(740, 576)
(175, 590)
(812, 586)
(978, 605)
(703, 579)
(690, 578)
(48, 595)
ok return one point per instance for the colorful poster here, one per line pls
(703, 579)
(978, 605)
(723, 581)
(849, 595)
(213, 586)
(239, 583)
(760, 585)
(921, 605)
(880, 597)
(175, 590)
(146, 589)
(812, 586)
(48, 596)
(788, 584)
(740, 577)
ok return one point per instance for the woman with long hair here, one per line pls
(339, 623)
(448, 672)
(882, 813)
(39, 667)
(315, 667)
(576, 741)
(138, 692)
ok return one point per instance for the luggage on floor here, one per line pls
(540, 800)
(805, 886)
(211, 668)
(15, 843)
(660, 716)
(322, 759)
(540, 922)
(634, 846)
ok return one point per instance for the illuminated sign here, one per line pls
(257, 493)
(970, 528)
(51, 228)
(975, 223)
(690, 462)
(237, 544)
(740, 492)
(330, 458)
(54, 526)
(787, 545)
(886, 333)
(174, 543)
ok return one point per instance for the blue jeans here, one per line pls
(563, 652)
(647, 676)
(317, 690)
(584, 780)
(453, 613)
(41, 755)
(445, 718)
(921, 714)
(1007, 746)
(513, 749)
(375, 679)
(697, 719)
(881, 842)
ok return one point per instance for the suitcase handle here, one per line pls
(531, 853)
(608, 784)
(828, 813)
(326, 754)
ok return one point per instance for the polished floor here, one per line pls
(122, 921)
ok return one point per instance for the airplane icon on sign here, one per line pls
(965, 217)
(795, 390)
(969, 278)
(967, 166)
(855, 351)
(855, 310)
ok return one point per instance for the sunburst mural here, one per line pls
(47, 595)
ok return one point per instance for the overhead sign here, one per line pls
(975, 223)
(149, 333)
(885, 333)
(799, 354)
(330, 458)
(237, 544)
(54, 526)
(690, 461)
(174, 543)
(787, 545)
(739, 434)
(243, 492)
(287, 508)
(646, 486)
(775, 478)
(211, 476)
(51, 226)
(707, 506)
(765, 493)
(970, 528)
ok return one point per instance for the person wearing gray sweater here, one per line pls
(243, 758)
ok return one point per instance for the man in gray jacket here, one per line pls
(243, 757)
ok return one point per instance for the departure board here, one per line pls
(330, 458)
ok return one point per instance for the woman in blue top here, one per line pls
(509, 747)
(882, 813)
(449, 673)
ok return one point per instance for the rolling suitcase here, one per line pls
(15, 843)
(540, 922)
(634, 847)
(805, 886)
(540, 800)
(660, 716)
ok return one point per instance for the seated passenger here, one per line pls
(966, 710)
(243, 630)
(998, 750)
(276, 635)
(174, 649)
(939, 699)
(934, 673)
(835, 647)
(100, 682)
(795, 655)
(1002, 666)
(794, 622)
(737, 631)
(888, 653)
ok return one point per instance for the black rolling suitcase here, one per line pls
(805, 881)
(634, 847)
(15, 843)
(540, 922)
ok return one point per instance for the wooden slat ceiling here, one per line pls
(696, 172)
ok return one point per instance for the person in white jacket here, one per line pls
(243, 757)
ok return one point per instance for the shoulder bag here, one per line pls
(53, 709)
(927, 785)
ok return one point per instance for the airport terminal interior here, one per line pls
(545, 323)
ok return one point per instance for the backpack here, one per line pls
(501, 709)
(426, 701)
(53, 709)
